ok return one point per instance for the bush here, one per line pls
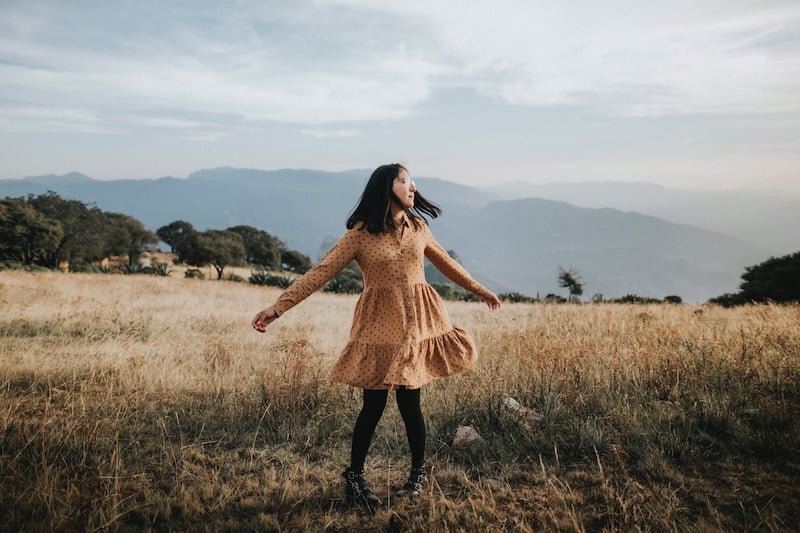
(134, 268)
(636, 299)
(345, 283)
(673, 299)
(261, 276)
(15, 265)
(83, 268)
(464, 296)
(160, 269)
(775, 280)
(194, 273)
(516, 297)
(282, 282)
(451, 292)
(234, 277)
(445, 291)
(348, 281)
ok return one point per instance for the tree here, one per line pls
(215, 247)
(82, 229)
(127, 236)
(570, 280)
(294, 261)
(26, 235)
(777, 279)
(260, 248)
(175, 234)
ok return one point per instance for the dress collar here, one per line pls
(403, 222)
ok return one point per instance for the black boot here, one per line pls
(414, 483)
(356, 489)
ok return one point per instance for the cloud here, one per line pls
(331, 134)
(325, 62)
(247, 67)
(28, 118)
(622, 57)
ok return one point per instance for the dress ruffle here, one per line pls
(384, 366)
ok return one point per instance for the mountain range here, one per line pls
(770, 220)
(511, 237)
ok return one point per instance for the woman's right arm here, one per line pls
(344, 251)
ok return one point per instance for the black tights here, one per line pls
(374, 403)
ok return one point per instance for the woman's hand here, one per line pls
(493, 301)
(264, 319)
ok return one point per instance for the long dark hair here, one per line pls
(374, 207)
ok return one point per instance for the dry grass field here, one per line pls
(135, 403)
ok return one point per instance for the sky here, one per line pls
(687, 94)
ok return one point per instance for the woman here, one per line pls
(401, 336)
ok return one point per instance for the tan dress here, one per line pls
(401, 333)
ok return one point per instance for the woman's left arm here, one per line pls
(453, 270)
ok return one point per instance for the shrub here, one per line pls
(673, 299)
(194, 273)
(451, 292)
(345, 283)
(234, 277)
(83, 268)
(15, 265)
(282, 282)
(636, 299)
(445, 291)
(160, 269)
(261, 276)
(775, 280)
(134, 268)
(464, 296)
(516, 297)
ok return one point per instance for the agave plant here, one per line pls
(160, 269)
(133, 268)
(259, 276)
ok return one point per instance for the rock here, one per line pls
(466, 436)
(530, 415)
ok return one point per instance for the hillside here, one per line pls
(511, 245)
(616, 252)
(765, 220)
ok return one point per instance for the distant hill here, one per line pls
(511, 245)
(765, 220)
(522, 242)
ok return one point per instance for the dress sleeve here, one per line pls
(344, 251)
(451, 268)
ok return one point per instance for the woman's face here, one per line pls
(404, 188)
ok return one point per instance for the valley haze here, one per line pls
(623, 238)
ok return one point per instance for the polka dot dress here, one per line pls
(401, 333)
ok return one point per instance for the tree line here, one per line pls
(48, 231)
(235, 246)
